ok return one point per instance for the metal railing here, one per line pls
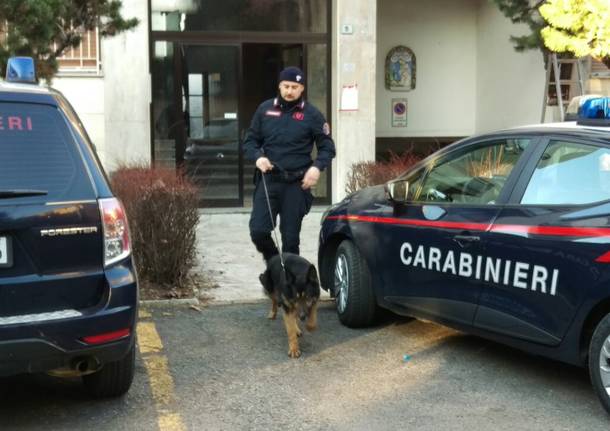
(83, 59)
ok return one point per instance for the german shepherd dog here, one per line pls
(297, 292)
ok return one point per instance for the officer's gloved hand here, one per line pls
(263, 164)
(311, 178)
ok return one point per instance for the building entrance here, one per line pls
(208, 81)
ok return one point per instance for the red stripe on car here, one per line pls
(483, 227)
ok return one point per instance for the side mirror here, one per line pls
(397, 190)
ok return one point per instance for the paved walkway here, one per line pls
(228, 259)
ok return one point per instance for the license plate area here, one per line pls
(6, 252)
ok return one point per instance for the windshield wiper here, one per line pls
(7, 194)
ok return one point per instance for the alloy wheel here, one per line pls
(341, 282)
(604, 364)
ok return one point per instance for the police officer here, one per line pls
(280, 140)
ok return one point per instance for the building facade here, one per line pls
(181, 88)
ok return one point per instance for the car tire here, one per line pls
(114, 378)
(354, 297)
(599, 361)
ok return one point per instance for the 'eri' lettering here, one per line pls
(14, 122)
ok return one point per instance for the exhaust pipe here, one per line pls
(79, 366)
(86, 365)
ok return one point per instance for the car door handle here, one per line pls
(466, 239)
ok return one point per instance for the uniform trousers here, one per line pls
(290, 202)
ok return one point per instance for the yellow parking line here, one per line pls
(148, 338)
(161, 382)
(171, 422)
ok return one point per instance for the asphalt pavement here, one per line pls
(226, 368)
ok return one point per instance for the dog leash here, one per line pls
(273, 222)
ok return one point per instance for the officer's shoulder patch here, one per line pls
(326, 129)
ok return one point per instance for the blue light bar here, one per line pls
(594, 112)
(598, 107)
(21, 69)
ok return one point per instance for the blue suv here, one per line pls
(68, 286)
(504, 235)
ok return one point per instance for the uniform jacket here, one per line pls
(286, 137)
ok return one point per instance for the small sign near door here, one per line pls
(399, 112)
(349, 98)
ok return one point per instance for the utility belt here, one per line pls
(281, 175)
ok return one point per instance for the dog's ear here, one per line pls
(267, 281)
(288, 285)
(313, 285)
(301, 278)
(312, 275)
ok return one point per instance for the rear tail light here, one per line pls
(117, 244)
(107, 337)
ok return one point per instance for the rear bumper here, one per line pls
(50, 344)
(38, 355)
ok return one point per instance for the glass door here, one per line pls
(208, 96)
(195, 117)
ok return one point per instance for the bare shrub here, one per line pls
(162, 210)
(365, 174)
(489, 164)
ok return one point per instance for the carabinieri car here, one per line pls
(68, 286)
(504, 235)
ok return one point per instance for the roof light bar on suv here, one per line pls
(21, 69)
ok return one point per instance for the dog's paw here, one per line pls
(294, 352)
(311, 328)
(272, 315)
(299, 332)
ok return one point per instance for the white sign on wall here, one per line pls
(349, 98)
(399, 112)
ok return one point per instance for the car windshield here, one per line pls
(39, 159)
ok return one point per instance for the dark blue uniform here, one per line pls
(285, 135)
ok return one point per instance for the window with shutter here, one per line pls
(83, 59)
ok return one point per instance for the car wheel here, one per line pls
(114, 379)
(599, 361)
(354, 295)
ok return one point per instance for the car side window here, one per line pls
(570, 173)
(476, 176)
